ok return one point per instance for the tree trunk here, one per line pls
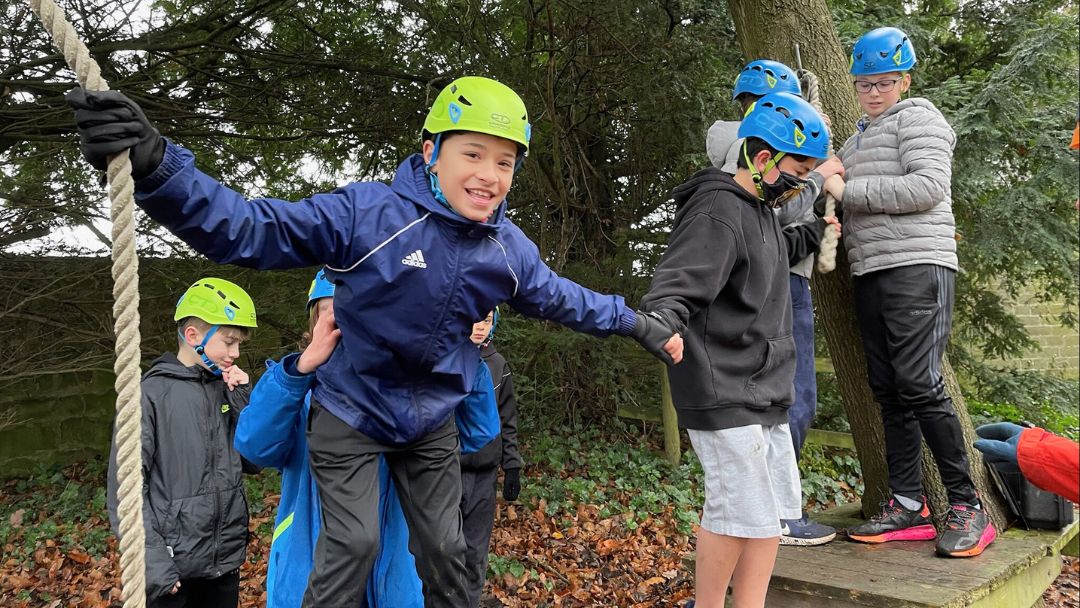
(809, 24)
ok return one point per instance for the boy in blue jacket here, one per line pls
(415, 263)
(271, 434)
(480, 470)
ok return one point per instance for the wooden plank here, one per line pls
(823, 364)
(996, 561)
(672, 443)
(830, 438)
(1024, 588)
(1012, 573)
(830, 580)
(639, 413)
(1066, 542)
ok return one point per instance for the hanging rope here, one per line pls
(125, 272)
(826, 261)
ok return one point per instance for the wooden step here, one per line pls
(1012, 573)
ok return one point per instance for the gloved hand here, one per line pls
(656, 332)
(998, 441)
(511, 484)
(108, 123)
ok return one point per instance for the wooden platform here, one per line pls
(1013, 573)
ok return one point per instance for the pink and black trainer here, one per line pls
(968, 531)
(895, 522)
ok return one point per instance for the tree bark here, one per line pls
(809, 24)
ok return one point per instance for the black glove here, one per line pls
(653, 330)
(110, 123)
(511, 484)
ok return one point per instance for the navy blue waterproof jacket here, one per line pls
(411, 278)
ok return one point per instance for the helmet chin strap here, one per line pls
(200, 350)
(433, 178)
(757, 176)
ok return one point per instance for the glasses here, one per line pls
(883, 86)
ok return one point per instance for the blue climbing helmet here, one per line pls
(494, 324)
(886, 49)
(789, 124)
(764, 76)
(321, 287)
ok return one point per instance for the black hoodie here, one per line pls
(194, 509)
(724, 276)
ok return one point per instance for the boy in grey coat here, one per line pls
(900, 239)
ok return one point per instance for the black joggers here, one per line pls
(220, 592)
(427, 477)
(905, 315)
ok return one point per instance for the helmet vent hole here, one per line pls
(799, 124)
(464, 101)
(234, 305)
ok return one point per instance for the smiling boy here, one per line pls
(415, 263)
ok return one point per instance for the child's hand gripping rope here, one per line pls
(827, 254)
(834, 191)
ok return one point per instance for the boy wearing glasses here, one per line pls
(901, 243)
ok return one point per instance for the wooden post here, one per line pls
(672, 443)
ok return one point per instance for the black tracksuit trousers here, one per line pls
(478, 520)
(427, 477)
(905, 315)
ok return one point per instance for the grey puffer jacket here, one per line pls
(194, 509)
(897, 201)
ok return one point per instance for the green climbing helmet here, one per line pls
(481, 105)
(218, 302)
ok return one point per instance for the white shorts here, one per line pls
(751, 480)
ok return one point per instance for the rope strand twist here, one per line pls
(826, 261)
(125, 273)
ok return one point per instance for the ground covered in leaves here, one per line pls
(602, 520)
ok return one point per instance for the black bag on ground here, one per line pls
(1032, 508)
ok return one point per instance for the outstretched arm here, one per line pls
(214, 220)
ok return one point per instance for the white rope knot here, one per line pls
(125, 272)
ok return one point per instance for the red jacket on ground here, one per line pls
(1050, 462)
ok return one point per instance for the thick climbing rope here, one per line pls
(826, 261)
(125, 272)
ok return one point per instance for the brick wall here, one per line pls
(1059, 351)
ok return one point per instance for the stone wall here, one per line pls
(55, 418)
(56, 398)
